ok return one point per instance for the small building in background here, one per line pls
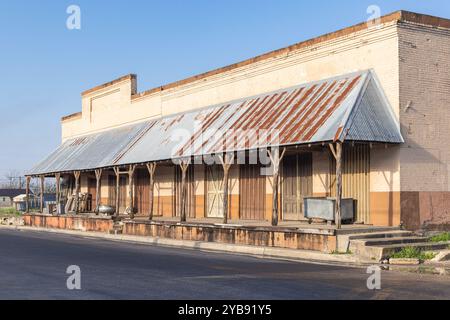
(7, 196)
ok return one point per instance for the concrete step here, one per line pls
(366, 230)
(381, 235)
(377, 253)
(391, 241)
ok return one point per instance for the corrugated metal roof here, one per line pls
(348, 107)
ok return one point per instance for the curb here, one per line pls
(260, 252)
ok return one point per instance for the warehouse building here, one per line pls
(360, 114)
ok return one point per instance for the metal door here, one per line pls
(355, 178)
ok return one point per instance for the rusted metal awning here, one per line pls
(351, 107)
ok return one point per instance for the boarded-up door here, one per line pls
(92, 190)
(252, 193)
(296, 185)
(355, 178)
(214, 191)
(141, 192)
(190, 189)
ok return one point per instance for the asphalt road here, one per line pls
(33, 266)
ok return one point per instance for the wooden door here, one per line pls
(252, 193)
(122, 192)
(142, 192)
(92, 190)
(214, 191)
(190, 189)
(296, 185)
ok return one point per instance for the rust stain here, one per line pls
(333, 108)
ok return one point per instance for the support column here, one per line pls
(338, 184)
(275, 159)
(41, 206)
(151, 167)
(117, 172)
(98, 177)
(77, 191)
(227, 161)
(184, 165)
(58, 187)
(27, 204)
(131, 170)
(58, 191)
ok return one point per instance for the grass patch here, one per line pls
(413, 253)
(9, 212)
(443, 237)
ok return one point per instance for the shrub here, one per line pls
(9, 212)
(413, 253)
(443, 237)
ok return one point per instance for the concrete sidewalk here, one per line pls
(261, 252)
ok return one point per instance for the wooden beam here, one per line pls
(151, 167)
(184, 165)
(41, 206)
(227, 161)
(77, 191)
(333, 150)
(276, 159)
(27, 204)
(131, 170)
(117, 172)
(98, 177)
(338, 184)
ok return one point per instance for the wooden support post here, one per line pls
(41, 205)
(58, 191)
(77, 191)
(117, 172)
(151, 167)
(98, 177)
(338, 184)
(58, 188)
(130, 210)
(184, 165)
(227, 162)
(276, 159)
(27, 209)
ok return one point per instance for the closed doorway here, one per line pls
(355, 178)
(296, 185)
(214, 191)
(122, 192)
(142, 192)
(252, 193)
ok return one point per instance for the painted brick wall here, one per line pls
(425, 120)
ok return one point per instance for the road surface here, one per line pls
(33, 266)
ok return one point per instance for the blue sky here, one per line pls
(44, 66)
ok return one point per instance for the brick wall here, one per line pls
(424, 55)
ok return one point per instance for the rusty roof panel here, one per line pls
(351, 107)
